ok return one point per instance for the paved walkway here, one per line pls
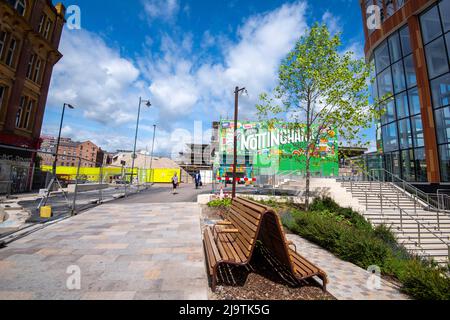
(347, 281)
(140, 251)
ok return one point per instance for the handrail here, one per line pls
(417, 191)
(410, 216)
(403, 211)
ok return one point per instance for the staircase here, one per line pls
(421, 231)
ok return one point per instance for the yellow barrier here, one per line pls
(46, 212)
(93, 174)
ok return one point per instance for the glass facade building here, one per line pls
(410, 54)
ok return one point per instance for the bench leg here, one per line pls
(214, 282)
(324, 279)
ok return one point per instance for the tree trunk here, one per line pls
(308, 184)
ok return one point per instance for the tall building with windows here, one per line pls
(30, 32)
(409, 48)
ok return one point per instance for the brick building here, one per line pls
(30, 32)
(69, 151)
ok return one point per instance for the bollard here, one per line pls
(420, 240)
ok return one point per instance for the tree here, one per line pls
(320, 88)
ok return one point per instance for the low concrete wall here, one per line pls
(87, 187)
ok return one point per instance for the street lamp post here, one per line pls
(59, 136)
(236, 116)
(134, 156)
(153, 148)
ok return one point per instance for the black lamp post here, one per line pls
(134, 156)
(236, 116)
(59, 136)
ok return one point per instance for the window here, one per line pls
(47, 29)
(2, 42)
(417, 127)
(30, 66)
(408, 165)
(19, 5)
(382, 57)
(28, 111)
(410, 72)
(394, 47)
(444, 8)
(390, 141)
(437, 59)
(385, 84)
(20, 112)
(398, 74)
(405, 134)
(444, 152)
(400, 3)
(389, 114)
(2, 96)
(414, 102)
(11, 52)
(421, 165)
(405, 41)
(431, 25)
(24, 113)
(447, 39)
(443, 125)
(390, 9)
(440, 90)
(401, 100)
(37, 71)
(41, 24)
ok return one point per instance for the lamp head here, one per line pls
(70, 106)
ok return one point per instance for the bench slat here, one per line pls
(234, 243)
(254, 214)
(227, 243)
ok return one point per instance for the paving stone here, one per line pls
(347, 281)
(123, 252)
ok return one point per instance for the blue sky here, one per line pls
(185, 56)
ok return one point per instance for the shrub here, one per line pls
(349, 236)
(220, 204)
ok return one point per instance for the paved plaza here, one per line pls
(141, 251)
(346, 281)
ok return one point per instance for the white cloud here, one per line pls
(333, 23)
(163, 9)
(183, 86)
(95, 78)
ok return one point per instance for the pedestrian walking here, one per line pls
(198, 180)
(175, 183)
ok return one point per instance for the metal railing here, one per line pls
(75, 188)
(403, 212)
(409, 189)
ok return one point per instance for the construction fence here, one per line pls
(33, 185)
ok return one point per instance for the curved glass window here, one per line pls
(401, 124)
(437, 59)
(382, 60)
(431, 25)
(435, 24)
(410, 72)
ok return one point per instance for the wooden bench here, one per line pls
(233, 241)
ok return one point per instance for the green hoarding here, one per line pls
(279, 148)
